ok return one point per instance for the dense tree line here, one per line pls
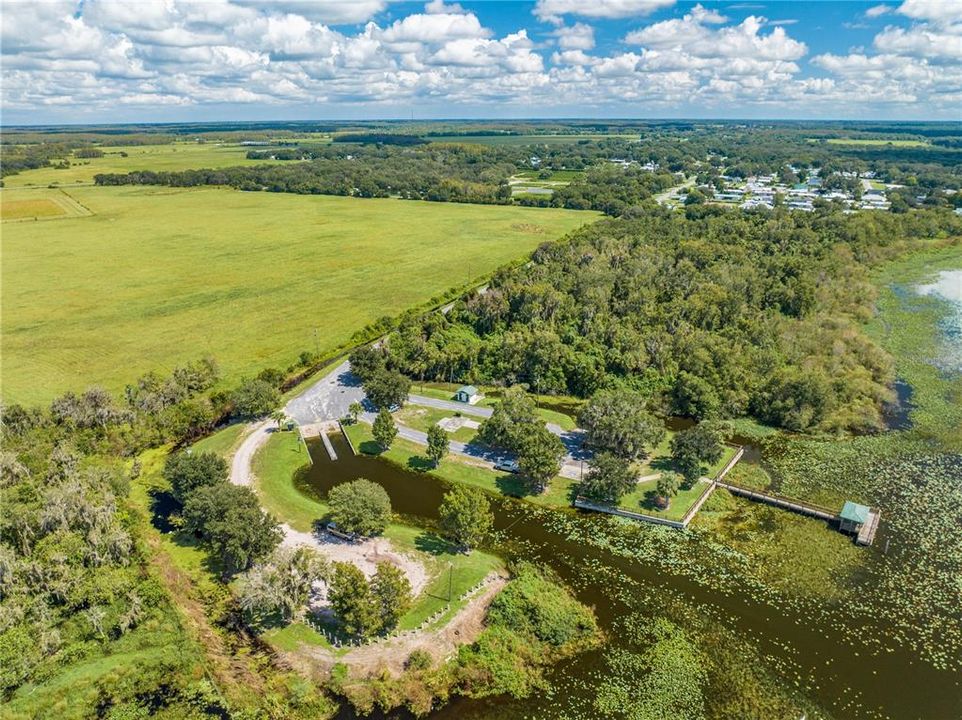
(612, 189)
(707, 314)
(443, 173)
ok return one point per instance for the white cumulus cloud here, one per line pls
(554, 10)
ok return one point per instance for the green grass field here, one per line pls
(159, 276)
(30, 205)
(564, 416)
(172, 157)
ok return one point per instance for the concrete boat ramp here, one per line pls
(321, 430)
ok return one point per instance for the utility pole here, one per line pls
(317, 343)
(450, 578)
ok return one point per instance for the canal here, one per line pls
(849, 678)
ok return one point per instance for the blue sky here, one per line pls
(84, 61)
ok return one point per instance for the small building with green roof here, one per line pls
(467, 394)
(852, 517)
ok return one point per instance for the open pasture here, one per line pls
(158, 276)
(124, 159)
(38, 204)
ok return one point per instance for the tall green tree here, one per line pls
(609, 478)
(360, 506)
(366, 361)
(231, 522)
(696, 446)
(392, 593)
(667, 487)
(466, 516)
(353, 601)
(387, 388)
(188, 471)
(539, 457)
(512, 416)
(437, 444)
(255, 398)
(384, 429)
(618, 421)
(354, 411)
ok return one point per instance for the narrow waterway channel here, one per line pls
(848, 680)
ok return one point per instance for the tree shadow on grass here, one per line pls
(369, 447)
(420, 464)
(650, 503)
(433, 544)
(663, 464)
(513, 485)
(436, 546)
(163, 505)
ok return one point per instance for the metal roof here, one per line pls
(854, 512)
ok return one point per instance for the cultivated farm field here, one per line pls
(159, 276)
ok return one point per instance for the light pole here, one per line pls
(450, 578)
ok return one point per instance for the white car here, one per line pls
(507, 466)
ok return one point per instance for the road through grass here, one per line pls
(159, 276)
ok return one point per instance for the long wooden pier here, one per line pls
(794, 505)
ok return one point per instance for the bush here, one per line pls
(419, 660)
(535, 605)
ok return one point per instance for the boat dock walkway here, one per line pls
(793, 505)
(866, 532)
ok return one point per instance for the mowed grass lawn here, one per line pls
(159, 276)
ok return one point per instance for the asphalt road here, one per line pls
(331, 396)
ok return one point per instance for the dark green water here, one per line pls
(847, 678)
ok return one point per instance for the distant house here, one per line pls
(852, 517)
(467, 394)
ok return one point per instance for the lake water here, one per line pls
(852, 679)
(947, 286)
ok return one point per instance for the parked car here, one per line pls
(507, 466)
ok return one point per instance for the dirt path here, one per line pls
(256, 435)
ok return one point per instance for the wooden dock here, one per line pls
(793, 505)
(866, 534)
